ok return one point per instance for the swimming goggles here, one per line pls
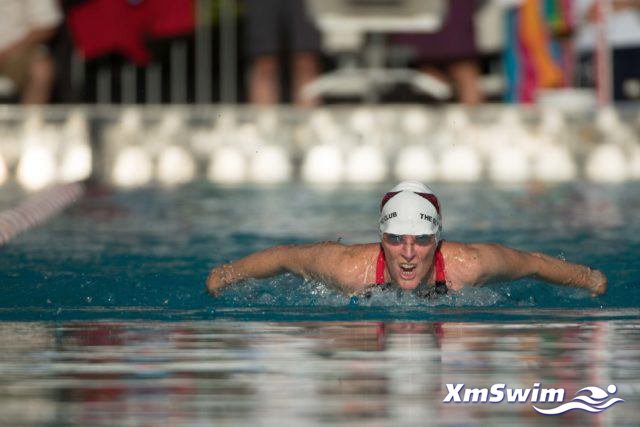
(420, 240)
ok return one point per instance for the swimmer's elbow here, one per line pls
(490, 263)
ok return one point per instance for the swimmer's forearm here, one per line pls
(259, 265)
(497, 262)
(561, 272)
(318, 260)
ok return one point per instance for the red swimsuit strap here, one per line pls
(438, 259)
(382, 262)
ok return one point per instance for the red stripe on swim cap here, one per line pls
(386, 198)
(428, 196)
(432, 199)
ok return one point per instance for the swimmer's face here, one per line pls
(409, 258)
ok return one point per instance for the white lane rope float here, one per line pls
(37, 209)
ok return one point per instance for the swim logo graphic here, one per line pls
(590, 399)
(597, 401)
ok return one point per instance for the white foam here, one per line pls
(227, 166)
(457, 119)
(323, 164)
(415, 122)
(4, 170)
(270, 164)
(509, 164)
(607, 163)
(320, 119)
(172, 122)
(415, 162)
(37, 167)
(267, 121)
(76, 127)
(607, 120)
(510, 118)
(248, 138)
(175, 166)
(460, 163)
(554, 164)
(634, 161)
(366, 164)
(76, 162)
(203, 141)
(131, 120)
(363, 120)
(133, 167)
(553, 122)
(34, 121)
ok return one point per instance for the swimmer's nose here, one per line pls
(408, 250)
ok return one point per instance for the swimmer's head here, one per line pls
(410, 208)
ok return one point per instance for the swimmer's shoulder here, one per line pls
(351, 252)
(356, 267)
(453, 250)
(364, 249)
(462, 264)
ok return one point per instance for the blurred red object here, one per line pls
(102, 27)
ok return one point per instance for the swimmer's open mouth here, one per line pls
(408, 271)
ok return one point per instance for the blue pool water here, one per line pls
(104, 318)
(307, 374)
(145, 254)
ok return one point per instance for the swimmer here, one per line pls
(411, 255)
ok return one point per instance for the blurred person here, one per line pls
(450, 54)
(535, 48)
(25, 28)
(410, 256)
(105, 27)
(110, 35)
(623, 37)
(269, 24)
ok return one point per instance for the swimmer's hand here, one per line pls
(214, 282)
(219, 277)
(598, 284)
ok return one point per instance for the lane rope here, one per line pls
(37, 209)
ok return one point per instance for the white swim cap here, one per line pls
(410, 208)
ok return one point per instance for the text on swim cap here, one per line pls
(431, 219)
(388, 217)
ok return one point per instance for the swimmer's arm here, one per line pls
(319, 260)
(258, 265)
(494, 262)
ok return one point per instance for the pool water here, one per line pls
(145, 254)
(105, 319)
(292, 374)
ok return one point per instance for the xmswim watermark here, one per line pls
(590, 399)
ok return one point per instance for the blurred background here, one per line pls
(182, 134)
(313, 52)
(462, 90)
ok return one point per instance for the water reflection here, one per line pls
(367, 373)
